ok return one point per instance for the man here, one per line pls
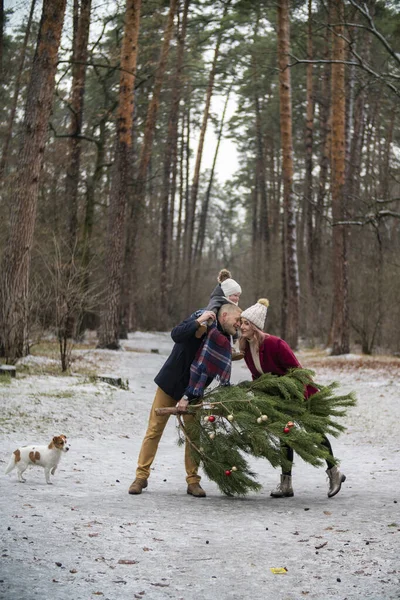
(182, 379)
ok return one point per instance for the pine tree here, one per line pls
(255, 418)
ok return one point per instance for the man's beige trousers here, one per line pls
(153, 435)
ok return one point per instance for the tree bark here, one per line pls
(308, 183)
(262, 241)
(188, 243)
(292, 275)
(1, 39)
(182, 198)
(274, 193)
(82, 10)
(109, 329)
(8, 135)
(151, 117)
(255, 234)
(145, 157)
(92, 185)
(324, 160)
(15, 264)
(170, 160)
(201, 233)
(340, 320)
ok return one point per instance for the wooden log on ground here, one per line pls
(9, 370)
(114, 380)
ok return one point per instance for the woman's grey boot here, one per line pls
(284, 488)
(336, 478)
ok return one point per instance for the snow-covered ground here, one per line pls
(84, 537)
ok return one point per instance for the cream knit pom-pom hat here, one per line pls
(257, 313)
(230, 287)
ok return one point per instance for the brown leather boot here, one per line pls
(137, 486)
(195, 489)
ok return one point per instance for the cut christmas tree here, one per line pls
(255, 418)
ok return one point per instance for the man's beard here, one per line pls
(229, 329)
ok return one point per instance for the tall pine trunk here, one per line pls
(1, 39)
(308, 183)
(340, 320)
(190, 215)
(138, 200)
(109, 329)
(289, 232)
(82, 10)
(88, 220)
(10, 126)
(182, 198)
(15, 264)
(201, 232)
(170, 160)
(152, 112)
(260, 246)
(324, 159)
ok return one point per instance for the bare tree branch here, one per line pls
(359, 63)
(365, 12)
(359, 60)
(369, 219)
(396, 199)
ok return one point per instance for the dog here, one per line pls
(47, 457)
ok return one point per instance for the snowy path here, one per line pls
(67, 541)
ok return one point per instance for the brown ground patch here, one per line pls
(389, 364)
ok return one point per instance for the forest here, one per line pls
(117, 216)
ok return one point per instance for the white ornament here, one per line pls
(211, 436)
(259, 420)
(234, 469)
(206, 419)
(231, 418)
(264, 418)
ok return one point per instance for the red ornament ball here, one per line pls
(211, 419)
(228, 472)
(286, 430)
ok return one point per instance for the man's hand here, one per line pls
(205, 316)
(182, 405)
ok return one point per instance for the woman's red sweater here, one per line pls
(276, 357)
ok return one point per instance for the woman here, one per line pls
(265, 353)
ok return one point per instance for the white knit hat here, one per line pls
(230, 286)
(257, 313)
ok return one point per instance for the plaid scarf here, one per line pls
(213, 360)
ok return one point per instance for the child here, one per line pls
(227, 291)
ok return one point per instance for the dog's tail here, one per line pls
(11, 464)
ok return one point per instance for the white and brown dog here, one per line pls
(47, 457)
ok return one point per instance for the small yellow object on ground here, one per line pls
(278, 570)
